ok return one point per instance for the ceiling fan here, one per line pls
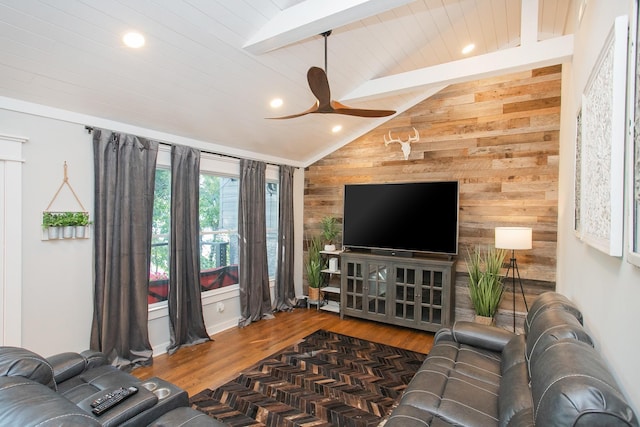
(319, 85)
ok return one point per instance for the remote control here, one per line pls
(111, 399)
(105, 397)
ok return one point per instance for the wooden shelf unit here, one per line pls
(330, 300)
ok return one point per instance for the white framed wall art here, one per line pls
(602, 139)
(633, 142)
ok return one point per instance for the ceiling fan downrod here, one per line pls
(326, 34)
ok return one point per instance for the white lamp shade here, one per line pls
(513, 238)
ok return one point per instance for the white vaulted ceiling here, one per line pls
(210, 67)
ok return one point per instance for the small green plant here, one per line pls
(63, 219)
(314, 263)
(485, 283)
(330, 229)
(67, 218)
(81, 218)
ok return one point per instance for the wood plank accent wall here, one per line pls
(499, 137)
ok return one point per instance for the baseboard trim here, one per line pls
(211, 330)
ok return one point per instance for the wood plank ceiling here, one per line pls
(200, 77)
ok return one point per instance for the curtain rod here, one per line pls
(89, 129)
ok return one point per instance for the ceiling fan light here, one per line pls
(276, 103)
(133, 39)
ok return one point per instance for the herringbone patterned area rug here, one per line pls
(327, 379)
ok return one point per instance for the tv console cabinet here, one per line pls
(411, 292)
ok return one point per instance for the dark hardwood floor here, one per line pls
(214, 363)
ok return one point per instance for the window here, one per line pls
(218, 232)
(272, 201)
(160, 228)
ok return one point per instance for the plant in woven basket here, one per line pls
(485, 283)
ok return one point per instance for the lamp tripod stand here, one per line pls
(513, 267)
(513, 238)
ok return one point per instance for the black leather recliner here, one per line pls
(58, 391)
(478, 375)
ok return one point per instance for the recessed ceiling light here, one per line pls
(468, 48)
(276, 103)
(336, 128)
(133, 39)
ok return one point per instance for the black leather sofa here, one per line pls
(58, 391)
(479, 375)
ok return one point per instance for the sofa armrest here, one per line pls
(68, 365)
(94, 358)
(477, 335)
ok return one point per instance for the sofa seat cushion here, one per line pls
(456, 384)
(186, 417)
(29, 403)
(410, 416)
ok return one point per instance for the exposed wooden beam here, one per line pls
(313, 17)
(532, 55)
(529, 22)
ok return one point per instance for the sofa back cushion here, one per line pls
(16, 361)
(571, 386)
(550, 300)
(551, 326)
(24, 402)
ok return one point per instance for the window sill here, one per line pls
(160, 309)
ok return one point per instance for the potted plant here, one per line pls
(330, 231)
(313, 268)
(67, 223)
(80, 222)
(51, 221)
(485, 283)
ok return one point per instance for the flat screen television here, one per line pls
(402, 218)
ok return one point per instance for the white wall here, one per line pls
(606, 289)
(57, 278)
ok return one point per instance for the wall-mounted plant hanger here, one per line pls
(66, 224)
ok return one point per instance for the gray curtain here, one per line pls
(285, 293)
(255, 300)
(124, 168)
(186, 324)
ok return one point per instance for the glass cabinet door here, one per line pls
(377, 289)
(431, 296)
(354, 292)
(405, 287)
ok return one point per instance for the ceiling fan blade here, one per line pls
(319, 85)
(339, 108)
(312, 109)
